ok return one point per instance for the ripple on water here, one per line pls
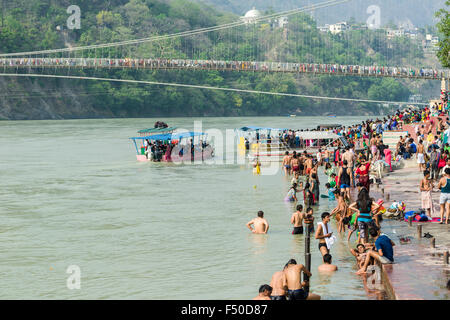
(143, 230)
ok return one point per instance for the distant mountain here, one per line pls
(418, 12)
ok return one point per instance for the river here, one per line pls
(72, 193)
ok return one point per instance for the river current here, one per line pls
(73, 194)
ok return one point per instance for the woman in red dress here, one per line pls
(363, 172)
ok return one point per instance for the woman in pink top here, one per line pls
(388, 157)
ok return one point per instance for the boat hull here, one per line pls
(198, 156)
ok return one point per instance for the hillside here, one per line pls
(32, 25)
(419, 12)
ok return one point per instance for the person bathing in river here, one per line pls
(260, 224)
(360, 254)
(384, 251)
(287, 163)
(327, 267)
(292, 194)
(315, 187)
(345, 179)
(293, 272)
(364, 207)
(279, 286)
(297, 220)
(340, 212)
(323, 235)
(264, 292)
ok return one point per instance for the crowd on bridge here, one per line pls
(161, 63)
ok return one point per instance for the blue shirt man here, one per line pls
(384, 244)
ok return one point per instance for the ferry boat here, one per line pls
(164, 145)
(266, 145)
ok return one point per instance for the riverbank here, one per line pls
(419, 271)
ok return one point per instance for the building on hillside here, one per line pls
(338, 27)
(283, 22)
(334, 28)
(251, 16)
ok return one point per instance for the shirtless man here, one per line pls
(297, 220)
(420, 156)
(321, 235)
(279, 286)
(264, 292)
(293, 272)
(327, 266)
(259, 223)
(295, 165)
(349, 156)
(327, 156)
(309, 219)
(287, 163)
(308, 165)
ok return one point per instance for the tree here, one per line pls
(444, 28)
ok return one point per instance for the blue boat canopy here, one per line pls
(170, 136)
(252, 128)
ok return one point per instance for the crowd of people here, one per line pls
(160, 63)
(348, 169)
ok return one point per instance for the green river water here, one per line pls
(72, 193)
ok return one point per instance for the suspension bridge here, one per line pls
(258, 44)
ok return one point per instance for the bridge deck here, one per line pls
(240, 66)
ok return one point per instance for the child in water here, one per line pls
(292, 194)
(308, 195)
(330, 190)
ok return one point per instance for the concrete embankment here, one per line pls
(421, 270)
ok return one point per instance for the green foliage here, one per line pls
(32, 26)
(444, 29)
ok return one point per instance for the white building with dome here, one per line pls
(251, 16)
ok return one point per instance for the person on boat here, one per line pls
(297, 220)
(264, 292)
(293, 272)
(327, 265)
(260, 225)
(247, 145)
(279, 286)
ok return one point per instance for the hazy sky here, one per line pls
(418, 12)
